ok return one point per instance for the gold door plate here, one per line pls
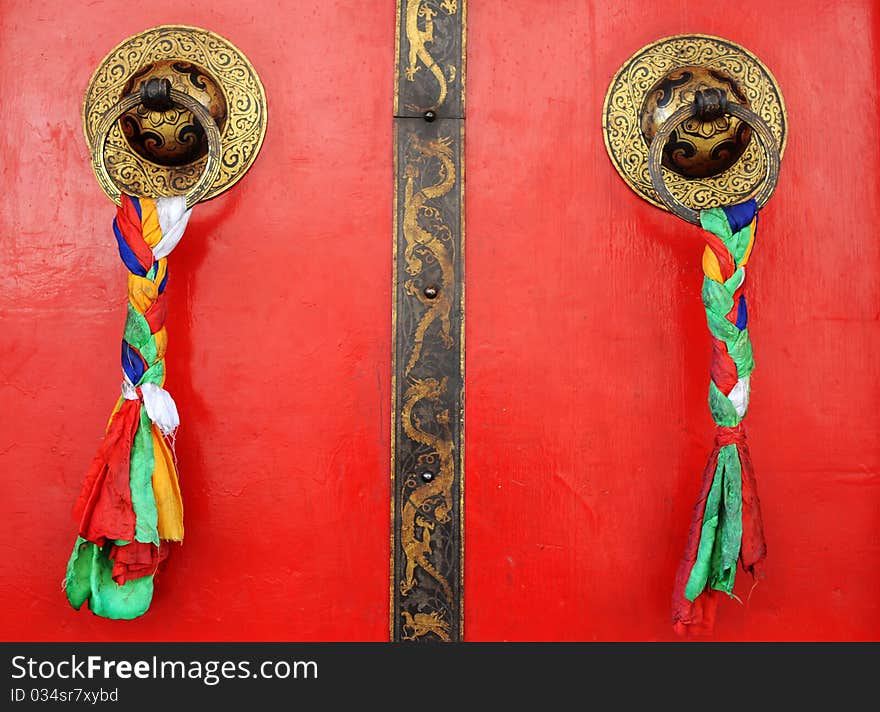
(243, 126)
(621, 118)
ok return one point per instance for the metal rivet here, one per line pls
(430, 291)
(156, 94)
(430, 116)
(427, 476)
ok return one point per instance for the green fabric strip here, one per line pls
(141, 478)
(716, 297)
(715, 221)
(723, 411)
(137, 333)
(721, 534)
(740, 350)
(735, 282)
(729, 533)
(117, 602)
(76, 580)
(700, 571)
(739, 243)
(154, 374)
(720, 327)
(90, 577)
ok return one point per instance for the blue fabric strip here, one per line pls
(742, 314)
(741, 214)
(164, 282)
(137, 206)
(128, 257)
(132, 363)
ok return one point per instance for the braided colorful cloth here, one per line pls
(130, 504)
(726, 523)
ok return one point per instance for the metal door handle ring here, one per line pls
(759, 127)
(203, 116)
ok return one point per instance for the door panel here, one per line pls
(588, 354)
(279, 331)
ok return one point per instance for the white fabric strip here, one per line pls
(160, 407)
(128, 390)
(739, 396)
(173, 217)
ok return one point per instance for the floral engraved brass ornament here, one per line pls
(697, 149)
(625, 136)
(150, 164)
(172, 137)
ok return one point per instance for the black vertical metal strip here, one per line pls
(427, 458)
(430, 58)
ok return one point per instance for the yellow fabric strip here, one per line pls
(711, 268)
(161, 270)
(150, 222)
(142, 292)
(166, 489)
(161, 339)
(748, 251)
(114, 412)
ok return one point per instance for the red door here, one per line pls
(587, 354)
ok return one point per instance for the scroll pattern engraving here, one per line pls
(245, 124)
(626, 145)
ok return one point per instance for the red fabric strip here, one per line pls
(687, 614)
(157, 313)
(722, 368)
(104, 503)
(753, 549)
(725, 260)
(136, 560)
(129, 223)
(734, 310)
(730, 436)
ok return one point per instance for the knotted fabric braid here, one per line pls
(130, 504)
(726, 523)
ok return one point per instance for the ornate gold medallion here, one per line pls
(704, 164)
(158, 153)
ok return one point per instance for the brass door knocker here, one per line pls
(709, 105)
(174, 110)
(702, 98)
(157, 95)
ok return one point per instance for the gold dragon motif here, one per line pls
(423, 623)
(434, 496)
(418, 38)
(420, 240)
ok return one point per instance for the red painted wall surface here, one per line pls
(587, 363)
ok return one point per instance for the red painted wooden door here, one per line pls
(587, 355)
